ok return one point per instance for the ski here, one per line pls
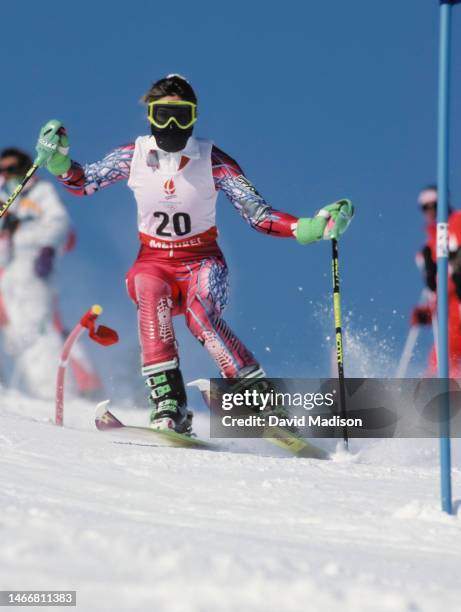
(106, 422)
(300, 447)
(288, 441)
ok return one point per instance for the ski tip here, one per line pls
(202, 384)
(101, 408)
(104, 419)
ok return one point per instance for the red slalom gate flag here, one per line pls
(101, 334)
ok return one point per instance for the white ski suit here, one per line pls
(30, 335)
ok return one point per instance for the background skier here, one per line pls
(427, 261)
(180, 268)
(30, 240)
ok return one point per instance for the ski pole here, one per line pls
(339, 338)
(413, 335)
(410, 342)
(30, 173)
(407, 352)
(39, 161)
(102, 335)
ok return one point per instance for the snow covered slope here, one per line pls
(162, 529)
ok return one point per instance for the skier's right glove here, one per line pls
(330, 222)
(421, 315)
(53, 148)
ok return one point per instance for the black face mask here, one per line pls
(172, 138)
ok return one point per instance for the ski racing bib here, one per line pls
(173, 205)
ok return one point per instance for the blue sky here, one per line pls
(316, 100)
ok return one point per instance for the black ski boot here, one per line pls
(169, 402)
(254, 378)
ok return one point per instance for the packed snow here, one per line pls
(248, 528)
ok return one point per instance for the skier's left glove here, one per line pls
(44, 262)
(53, 148)
(330, 222)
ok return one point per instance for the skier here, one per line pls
(426, 260)
(30, 240)
(180, 268)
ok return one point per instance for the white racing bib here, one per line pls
(173, 204)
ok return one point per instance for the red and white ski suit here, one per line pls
(428, 257)
(180, 268)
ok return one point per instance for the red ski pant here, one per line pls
(195, 286)
(454, 341)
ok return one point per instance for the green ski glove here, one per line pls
(330, 222)
(53, 148)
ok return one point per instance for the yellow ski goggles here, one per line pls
(161, 114)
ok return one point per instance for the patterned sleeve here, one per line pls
(229, 178)
(114, 167)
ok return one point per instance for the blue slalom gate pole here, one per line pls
(442, 247)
